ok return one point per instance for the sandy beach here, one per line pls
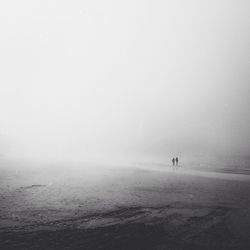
(127, 207)
(124, 125)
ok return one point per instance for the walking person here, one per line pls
(173, 160)
(176, 160)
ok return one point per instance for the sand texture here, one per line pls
(145, 207)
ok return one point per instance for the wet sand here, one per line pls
(142, 207)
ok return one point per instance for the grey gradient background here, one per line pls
(104, 79)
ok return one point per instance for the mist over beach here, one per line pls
(124, 124)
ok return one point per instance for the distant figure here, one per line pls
(173, 160)
(176, 160)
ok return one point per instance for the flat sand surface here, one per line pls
(142, 207)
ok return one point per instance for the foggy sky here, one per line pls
(103, 78)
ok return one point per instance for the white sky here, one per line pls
(80, 78)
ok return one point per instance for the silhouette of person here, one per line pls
(173, 160)
(176, 160)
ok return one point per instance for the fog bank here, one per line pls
(91, 80)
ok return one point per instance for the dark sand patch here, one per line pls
(168, 227)
(33, 186)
